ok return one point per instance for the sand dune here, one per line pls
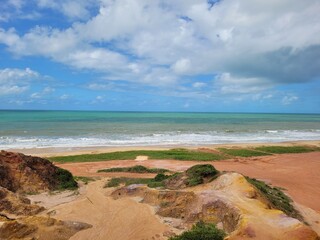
(111, 219)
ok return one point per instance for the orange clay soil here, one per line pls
(298, 174)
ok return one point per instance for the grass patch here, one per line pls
(201, 231)
(135, 169)
(174, 154)
(65, 180)
(157, 181)
(287, 149)
(85, 180)
(276, 197)
(195, 175)
(242, 152)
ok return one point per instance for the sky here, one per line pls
(160, 55)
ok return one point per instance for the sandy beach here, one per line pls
(68, 151)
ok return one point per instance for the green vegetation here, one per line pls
(276, 197)
(174, 154)
(201, 231)
(242, 152)
(65, 179)
(157, 181)
(288, 149)
(185, 154)
(135, 169)
(85, 180)
(198, 173)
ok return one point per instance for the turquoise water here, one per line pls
(27, 129)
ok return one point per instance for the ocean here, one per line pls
(30, 129)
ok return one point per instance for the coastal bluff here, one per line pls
(28, 174)
(19, 218)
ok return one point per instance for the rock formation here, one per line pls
(39, 228)
(26, 174)
(21, 173)
(229, 201)
(13, 204)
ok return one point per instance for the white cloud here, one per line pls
(251, 45)
(199, 85)
(15, 81)
(44, 93)
(182, 66)
(12, 89)
(73, 9)
(13, 10)
(15, 74)
(287, 100)
(64, 97)
(228, 84)
(98, 99)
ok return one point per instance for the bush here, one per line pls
(135, 169)
(201, 231)
(160, 177)
(198, 173)
(65, 180)
(276, 198)
(151, 182)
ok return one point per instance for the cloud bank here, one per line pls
(247, 47)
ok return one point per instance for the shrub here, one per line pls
(198, 173)
(65, 180)
(201, 231)
(160, 177)
(276, 198)
(85, 180)
(135, 169)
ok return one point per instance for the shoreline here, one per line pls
(67, 151)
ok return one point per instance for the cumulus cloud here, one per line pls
(44, 93)
(199, 84)
(250, 46)
(182, 66)
(73, 9)
(228, 84)
(15, 81)
(287, 100)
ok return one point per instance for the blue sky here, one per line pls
(141, 55)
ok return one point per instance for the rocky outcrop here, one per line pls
(26, 174)
(39, 228)
(21, 173)
(13, 204)
(229, 201)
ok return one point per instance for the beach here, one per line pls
(69, 151)
(74, 130)
(67, 134)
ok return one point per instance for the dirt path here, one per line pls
(111, 219)
(297, 173)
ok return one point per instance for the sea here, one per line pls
(42, 129)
